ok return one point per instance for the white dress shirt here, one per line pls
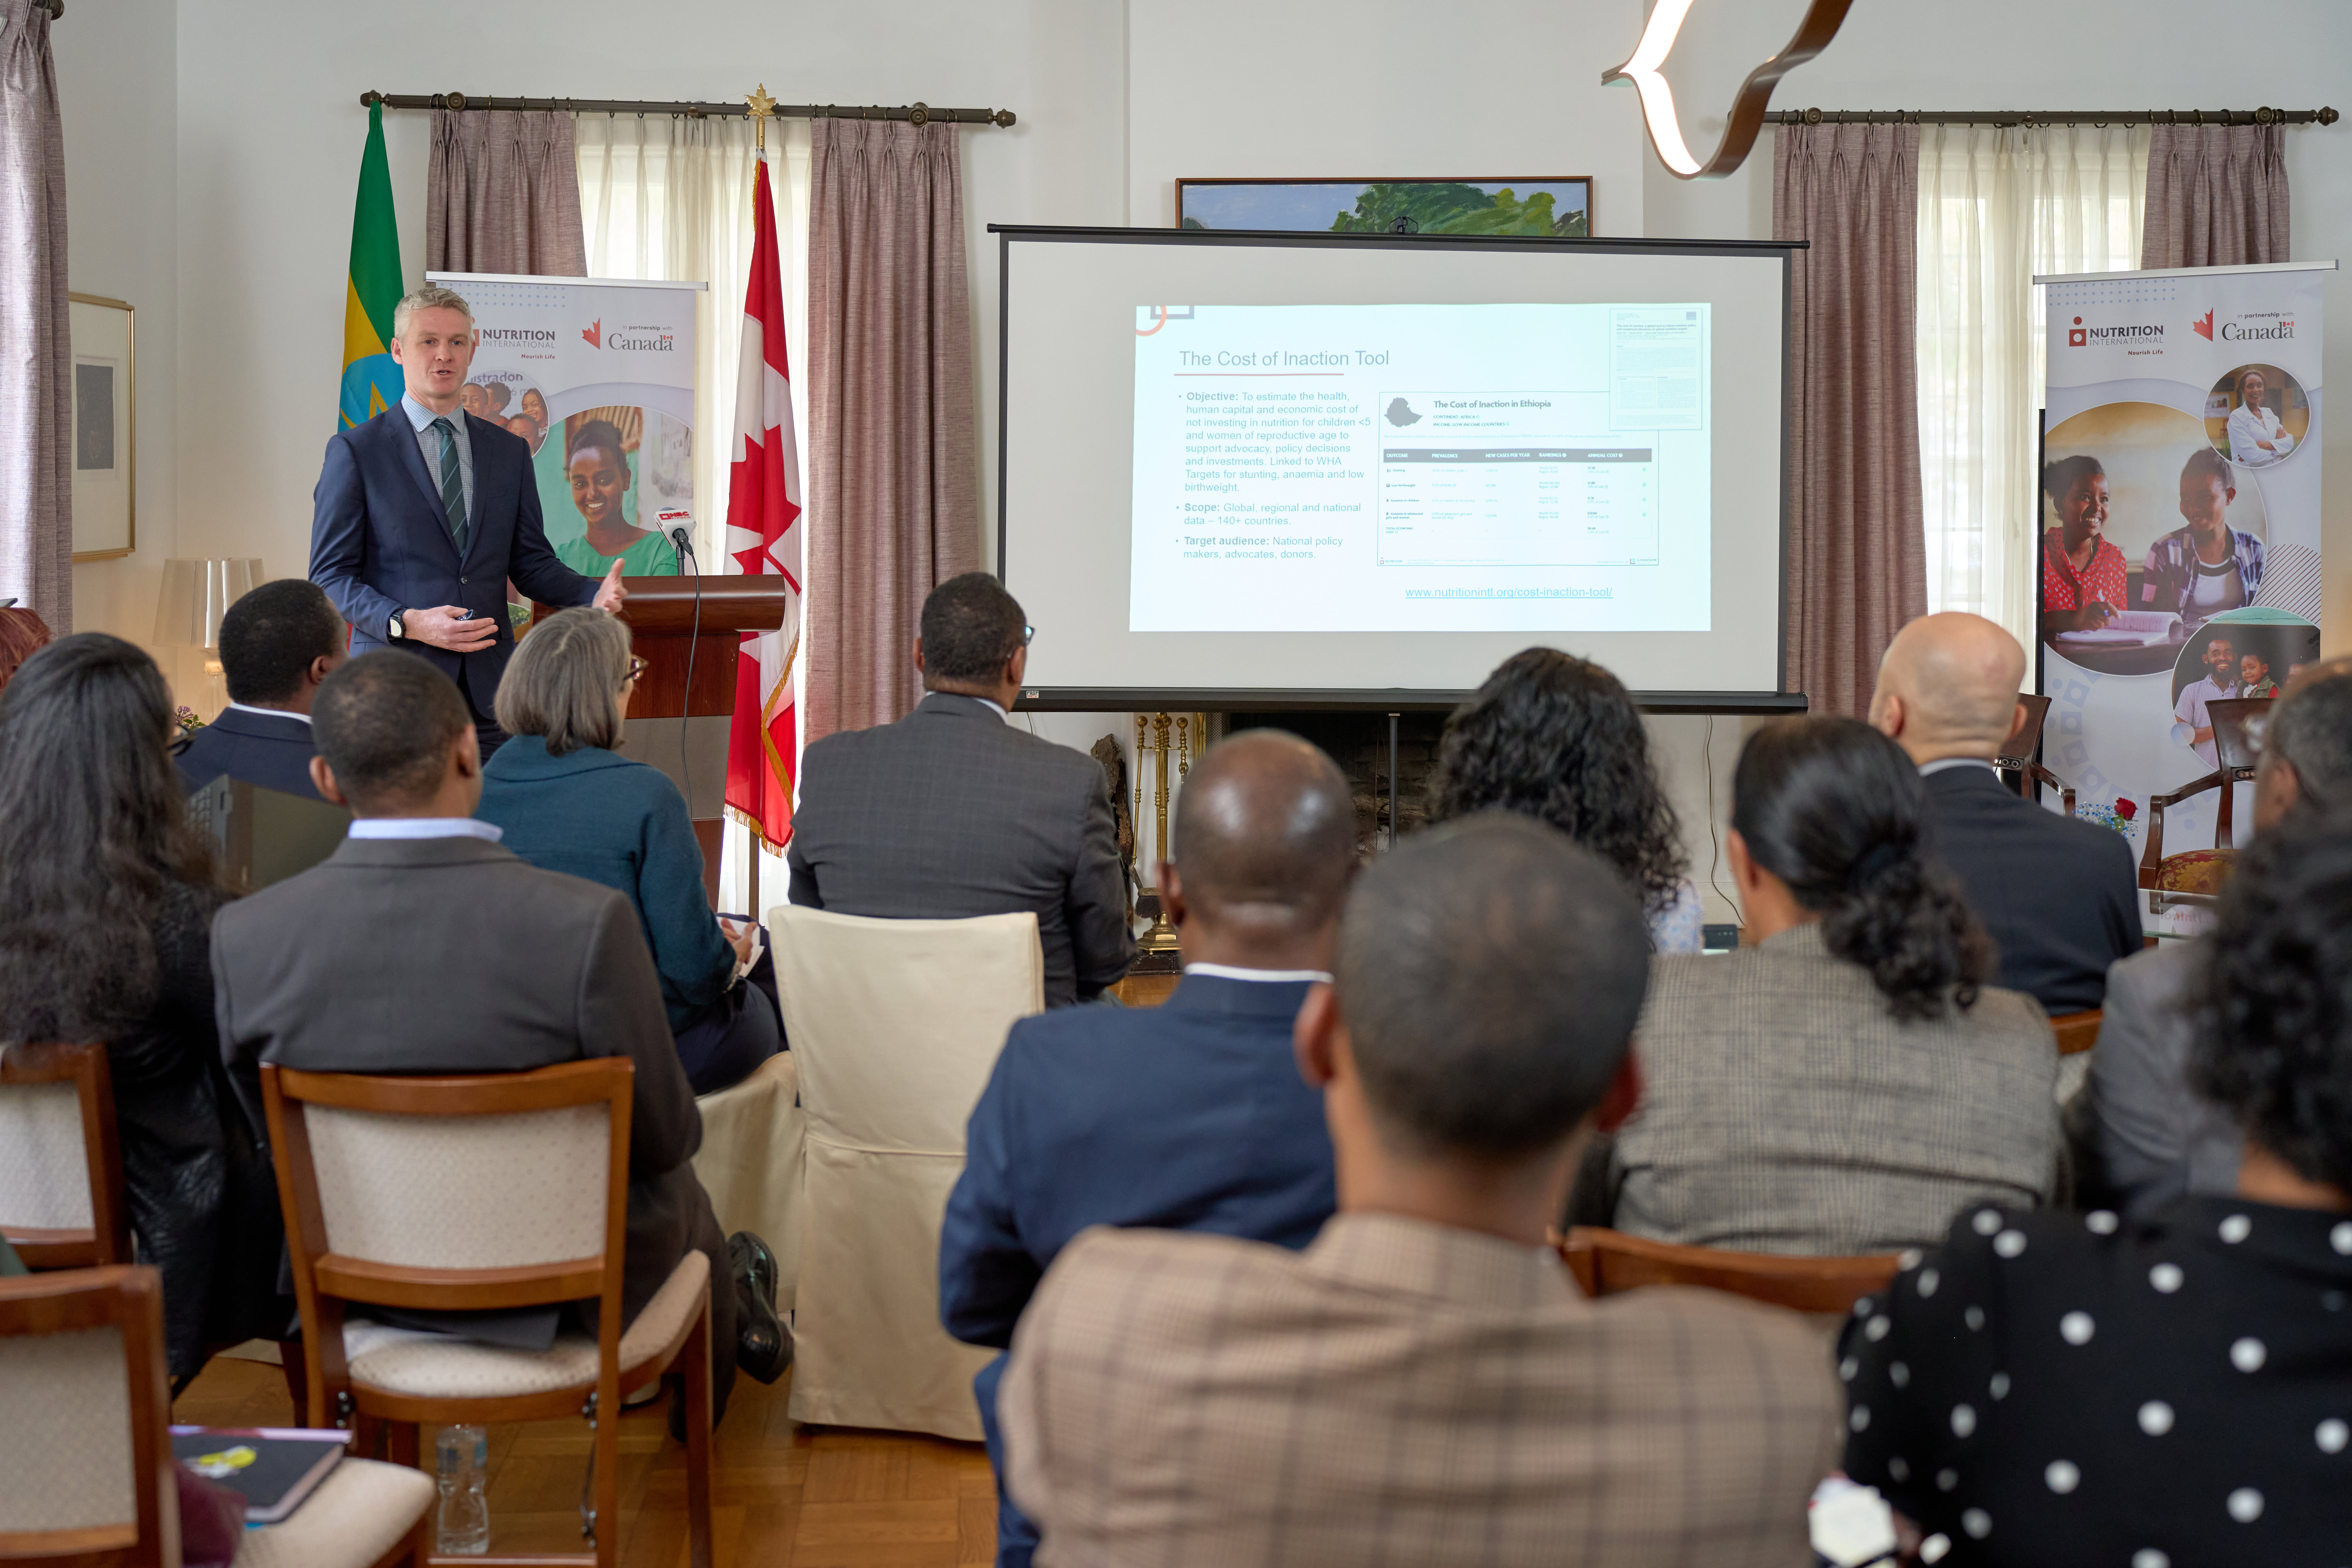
(426, 828)
(1263, 976)
(1942, 763)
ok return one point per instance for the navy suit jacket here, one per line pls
(2059, 896)
(1190, 1116)
(272, 750)
(380, 542)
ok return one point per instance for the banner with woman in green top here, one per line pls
(598, 379)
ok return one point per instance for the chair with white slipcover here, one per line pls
(897, 1024)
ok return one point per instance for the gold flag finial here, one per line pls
(763, 109)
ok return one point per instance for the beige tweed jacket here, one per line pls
(1785, 1110)
(1403, 1393)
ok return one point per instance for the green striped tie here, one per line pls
(452, 483)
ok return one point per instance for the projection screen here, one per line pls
(1244, 470)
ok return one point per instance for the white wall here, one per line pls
(117, 85)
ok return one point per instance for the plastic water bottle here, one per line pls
(464, 1521)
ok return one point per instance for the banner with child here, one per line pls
(2179, 560)
(599, 378)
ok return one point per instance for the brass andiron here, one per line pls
(1161, 937)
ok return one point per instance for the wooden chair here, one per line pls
(457, 1194)
(897, 1024)
(2017, 753)
(2076, 1032)
(88, 1461)
(61, 1197)
(1606, 1262)
(2195, 875)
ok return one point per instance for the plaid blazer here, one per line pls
(1785, 1110)
(1405, 1393)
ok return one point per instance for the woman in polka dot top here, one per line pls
(2075, 1389)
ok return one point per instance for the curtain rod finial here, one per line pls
(1006, 117)
(2326, 117)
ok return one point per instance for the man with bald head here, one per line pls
(2060, 897)
(1191, 1116)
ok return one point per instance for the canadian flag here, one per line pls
(763, 510)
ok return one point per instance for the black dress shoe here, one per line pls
(763, 1345)
(745, 1249)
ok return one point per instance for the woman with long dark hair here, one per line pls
(1850, 1082)
(1557, 738)
(106, 908)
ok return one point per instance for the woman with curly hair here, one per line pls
(1555, 737)
(1849, 1083)
(2085, 1388)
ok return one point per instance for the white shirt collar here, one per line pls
(426, 828)
(270, 712)
(1263, 976)
(1942, 763)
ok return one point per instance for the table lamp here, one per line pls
(196, 593)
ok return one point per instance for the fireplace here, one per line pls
(1359, 742)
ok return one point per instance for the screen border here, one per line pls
(1117, 699)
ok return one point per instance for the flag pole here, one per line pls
(761, 107)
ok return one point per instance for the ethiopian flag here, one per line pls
(372, 383)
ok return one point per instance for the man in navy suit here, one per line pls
(1191, 1116)
(422, 513)
(275, 644)
(2058, 896)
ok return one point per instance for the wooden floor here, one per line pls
(782, 1495)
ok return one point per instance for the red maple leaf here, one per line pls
(594, 332)
(2203, 326)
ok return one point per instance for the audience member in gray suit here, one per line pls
(2140, 1137)
(421, 946)
(1849, 1083)
(952, 811)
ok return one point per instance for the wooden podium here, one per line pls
(680, 729)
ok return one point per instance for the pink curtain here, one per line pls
(502, 193)
(2216, 197)
(1857, 540)
(35, 341)
(893, 480)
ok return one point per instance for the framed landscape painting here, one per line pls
(1554, 208)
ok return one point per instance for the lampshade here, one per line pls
(196, 593)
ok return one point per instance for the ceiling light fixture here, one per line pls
(1821, 23)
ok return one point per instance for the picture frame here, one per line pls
(105, 427)
(1555, 206)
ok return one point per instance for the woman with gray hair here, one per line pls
(567, 801)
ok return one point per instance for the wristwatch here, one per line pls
(397, 631)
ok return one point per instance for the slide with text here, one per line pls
(1421, 468)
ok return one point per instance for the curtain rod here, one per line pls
(2055, 117)
(915, 113)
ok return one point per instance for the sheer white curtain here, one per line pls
(1998, 204)
(664, 196)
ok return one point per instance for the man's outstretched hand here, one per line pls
(611, 596)
(452, 627)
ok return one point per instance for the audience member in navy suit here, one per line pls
(2058, 896)
(275, 644)
(1191, 1116)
